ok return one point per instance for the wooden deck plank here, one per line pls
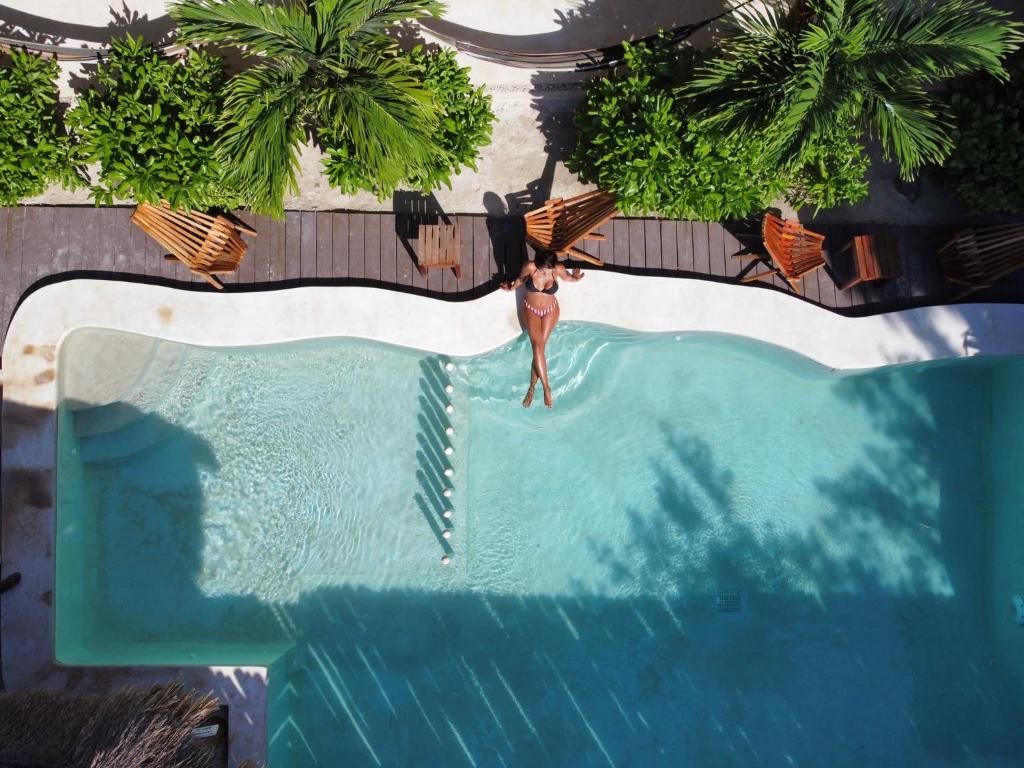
(8, 272)
(122, 252)
(684, 246)
(419, 282)
(838, 265)
(903, 284)
(669, 255)
(701, 258)
(602, 248)
(276, 250)
(918, 239)
(247, 268)
(483, 252)
(75, 235)
(405, 262)
(371, 248)
(292, 245)
(731, 245)
(716, 249)
(389, 250)
(652, 244)
(106, 261)
(356, 230)
(477, 256)
(620, 243)
(339, 245)
(514, 248)
(147, 251)
(36, 241)
(307, 245)
(637, 245)
(468, 282)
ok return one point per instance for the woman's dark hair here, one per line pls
(545, 259)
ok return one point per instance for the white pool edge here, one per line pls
(472, 327)
(48, 315)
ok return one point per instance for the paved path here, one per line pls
(41, 244)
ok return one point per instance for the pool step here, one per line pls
(151, 386)
(130, 439)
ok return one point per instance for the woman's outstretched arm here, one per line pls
(525, 272)
(572, 277)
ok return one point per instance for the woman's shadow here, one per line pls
(507, 231)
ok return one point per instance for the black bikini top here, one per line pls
(551, 290)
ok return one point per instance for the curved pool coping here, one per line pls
(48, 315)
(640, 303)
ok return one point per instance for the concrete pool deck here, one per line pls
(466, 328)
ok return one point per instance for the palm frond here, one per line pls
(263, 131)
(910, 127)
(271, 29)
(941, 40)
(387, 116)
(364, 19)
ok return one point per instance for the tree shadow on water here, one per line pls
(868, 619)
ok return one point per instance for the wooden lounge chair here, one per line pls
(559, 224)
(794, 251)
(976, 258)
(874, 258)
(440, 248)
(207, 245)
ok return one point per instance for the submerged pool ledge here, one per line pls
(30, 379)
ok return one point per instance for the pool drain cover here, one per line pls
(729, 600)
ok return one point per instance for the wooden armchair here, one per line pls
(559, 224)
(794, 251)
(207, 245)
(976, 258)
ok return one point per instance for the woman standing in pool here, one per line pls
(540, 308)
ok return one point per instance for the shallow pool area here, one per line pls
(711, 551)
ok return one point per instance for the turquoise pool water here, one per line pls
(712, 552)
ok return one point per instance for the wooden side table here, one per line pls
(439, 248)
(875, 257)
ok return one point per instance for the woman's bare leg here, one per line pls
(534, 376)
(548, 323)
(535, 330)
(539, 370)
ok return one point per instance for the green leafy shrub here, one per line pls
(987, 163)
(833, 174)
(151, 124)
(464, 127)
(637, 140)
(34, 147)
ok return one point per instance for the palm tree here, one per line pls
(849, 66)
(322, 65)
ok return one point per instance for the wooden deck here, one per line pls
(41, 244)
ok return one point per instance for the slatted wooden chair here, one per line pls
(874, 258)
(976, 258)
(207, 245)
(559, 224)
(794, 251)
(440, 248)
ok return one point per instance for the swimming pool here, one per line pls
(711, 552)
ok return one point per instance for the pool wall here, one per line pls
(30, 380)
